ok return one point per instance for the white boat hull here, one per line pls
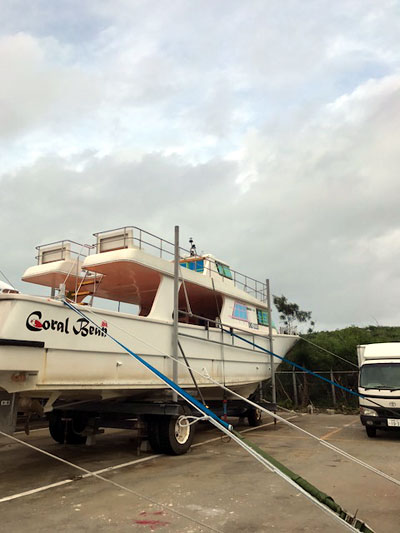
(78, 360)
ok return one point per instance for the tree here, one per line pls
(290, 313)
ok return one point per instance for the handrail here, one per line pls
(144, 239)
(63, 248)
(218, 325)
(248, 284)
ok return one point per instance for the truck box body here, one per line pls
(379, 384)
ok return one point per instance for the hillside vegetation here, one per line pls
(342, 342)
(302, 389)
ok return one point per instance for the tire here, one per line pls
(171, 435)
(57, 428)
(371, 431)
(68, 431)
(153, 424)
(254, 417)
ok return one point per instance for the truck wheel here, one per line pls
(254, 417)
(371, 431)
(173, 436)
(68, 431)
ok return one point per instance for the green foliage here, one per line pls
(342, 342)
(290, 313)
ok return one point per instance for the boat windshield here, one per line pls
(380, 376)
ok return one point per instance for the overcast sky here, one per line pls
(267, 130)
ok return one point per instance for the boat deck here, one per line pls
(216, 483)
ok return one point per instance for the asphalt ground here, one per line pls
(215, 485)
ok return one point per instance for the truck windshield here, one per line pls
(380, 376)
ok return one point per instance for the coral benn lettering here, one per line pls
(81, 327)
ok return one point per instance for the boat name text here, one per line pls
(81, 327)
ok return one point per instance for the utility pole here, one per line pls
(271, 344)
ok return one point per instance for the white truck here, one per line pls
(379, 384)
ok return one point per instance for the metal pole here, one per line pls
(176, 314)
(271, 344)
(333, 390)
(296, 400)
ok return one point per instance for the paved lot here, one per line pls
(216, 485)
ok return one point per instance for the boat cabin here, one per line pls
(132, 266)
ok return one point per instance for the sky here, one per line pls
(268, 131)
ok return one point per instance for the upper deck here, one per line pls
(72, 263)
(132, 266)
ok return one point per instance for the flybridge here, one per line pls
(69, 262)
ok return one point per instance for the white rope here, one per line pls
(276, 470)
(328, 351)
(274, 415)
(256, 455)
(186, 421)
(75, 263)
(108, 468)
(111, 482)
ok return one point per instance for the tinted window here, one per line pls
(224, 270)
(240, 311)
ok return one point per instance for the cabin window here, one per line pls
(240, 311)
(197, 266)
(262, 317)
(224, 270)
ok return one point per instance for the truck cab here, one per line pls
(379, 384)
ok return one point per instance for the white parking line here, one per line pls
(116, 467)
(31, 431)
(66, 481)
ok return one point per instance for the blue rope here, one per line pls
(296, 365)
(162, 376)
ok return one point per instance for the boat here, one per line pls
(6, 288)
(50, 353)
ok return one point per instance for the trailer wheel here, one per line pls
(153, 424)
(57, 428)
(176, 434)
(172, 435)
(371, 431)
(68, 431)
(254, 417)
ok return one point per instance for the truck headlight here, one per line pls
(368, 412)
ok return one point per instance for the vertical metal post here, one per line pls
(271, 344)
(296, 400)
(333, 390)
(176, 314)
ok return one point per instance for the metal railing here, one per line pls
(144, 240)
(226, 329)
(149, 242)
(66, 248)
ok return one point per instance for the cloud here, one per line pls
(330, 193)
(266, 131)
(56, 201)
(37, 94)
